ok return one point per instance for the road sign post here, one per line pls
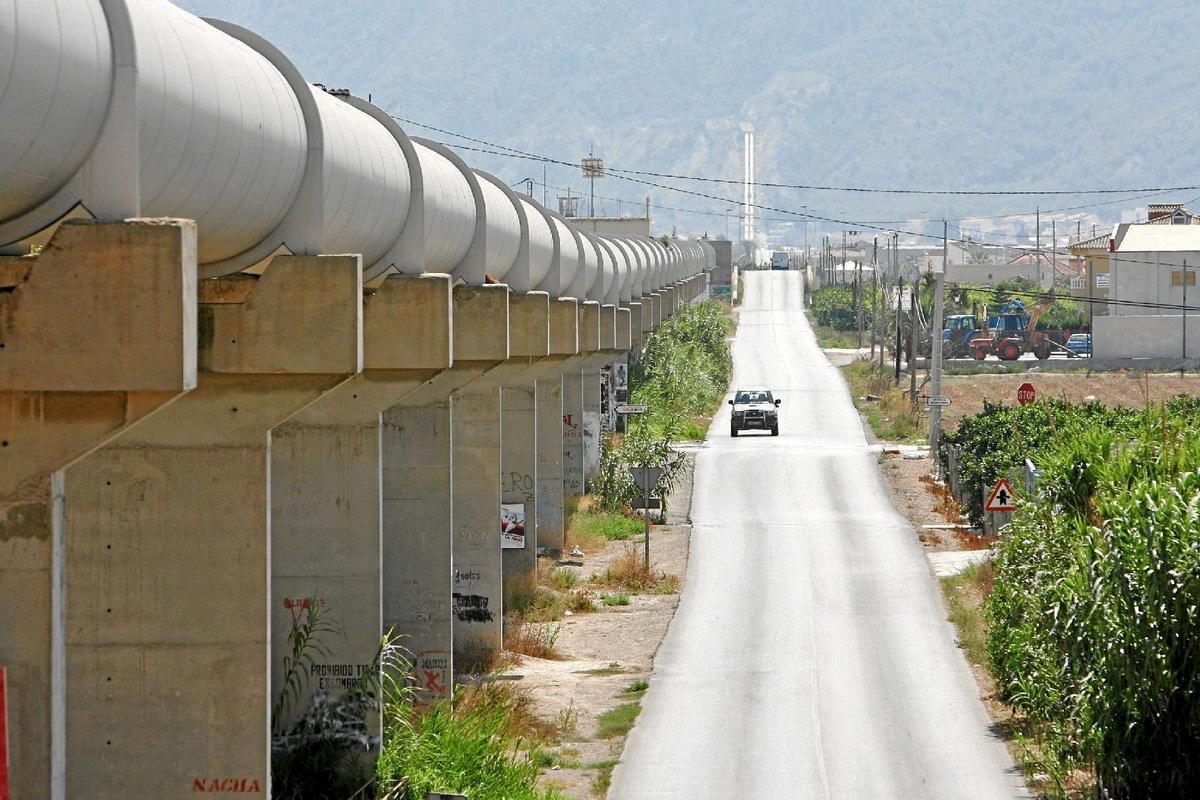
(1026, 393)
(645, 477)
(934, 401)
(1002, 497)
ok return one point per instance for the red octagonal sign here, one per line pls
(1026, 393)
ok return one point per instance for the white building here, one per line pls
(1152, 269)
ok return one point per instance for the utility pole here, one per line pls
(875, 300)
(1185, 283)
(843, 267)
(1053, 253)
(935, 368)
(899, 300)
(1039, 246)
(912, 343)
(858, 298)
(1091, 311)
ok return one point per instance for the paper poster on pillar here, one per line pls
(512, 526)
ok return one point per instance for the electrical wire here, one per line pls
(513, 152)
(811, 187)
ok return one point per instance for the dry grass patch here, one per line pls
(628, 573)
(528, 638)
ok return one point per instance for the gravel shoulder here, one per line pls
(604, 652)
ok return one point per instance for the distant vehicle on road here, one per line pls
(754, 409)
(779, 260)
(1080, 344)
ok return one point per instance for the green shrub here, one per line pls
(473, 745)
(1095, 615)
(834, 306)
(1000, 438)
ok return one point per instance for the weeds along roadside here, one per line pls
(1091, 632)
(681, 375)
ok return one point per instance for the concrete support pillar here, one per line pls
(327, 489)
(166, 546)
(409, 325)
(475, 485)
(572, 427)
(593, 378)
(574, 411)
(647, 304)
(563, 346)
(481, 338)
(529, 346)
(635, 322)
(97, 332)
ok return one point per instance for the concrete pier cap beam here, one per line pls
(165, 621)
(327, 494)
(481, 339)
(634, 311)
(73, 381)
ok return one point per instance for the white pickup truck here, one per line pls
(754, 409)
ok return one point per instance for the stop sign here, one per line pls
(1026, 393)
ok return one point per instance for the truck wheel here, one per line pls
(980, 353)
(733, 431)
(1010, 352)
(775, 431)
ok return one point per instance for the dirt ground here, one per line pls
(927, 504)
(604, 652)
(1129, 389)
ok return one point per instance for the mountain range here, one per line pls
(905, 95)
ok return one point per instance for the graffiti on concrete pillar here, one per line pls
(519, 484)
(432, 672)
(471, 608)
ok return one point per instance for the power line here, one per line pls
(727, 201)
(813, 187)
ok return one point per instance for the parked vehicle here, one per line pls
(754, 409)
(1080, 344)
(1013, 331)
(779, 260)
(957, 335)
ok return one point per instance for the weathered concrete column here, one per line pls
(592, 390)
(416, 476)
(563, 346)
(573, 404)
(96, 332)
(166, 554)
(657, 306)
(481, 337)
(635, 310)
(647, 303)
(327, 488)
(529, 345)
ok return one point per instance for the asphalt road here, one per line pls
(810, 656)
